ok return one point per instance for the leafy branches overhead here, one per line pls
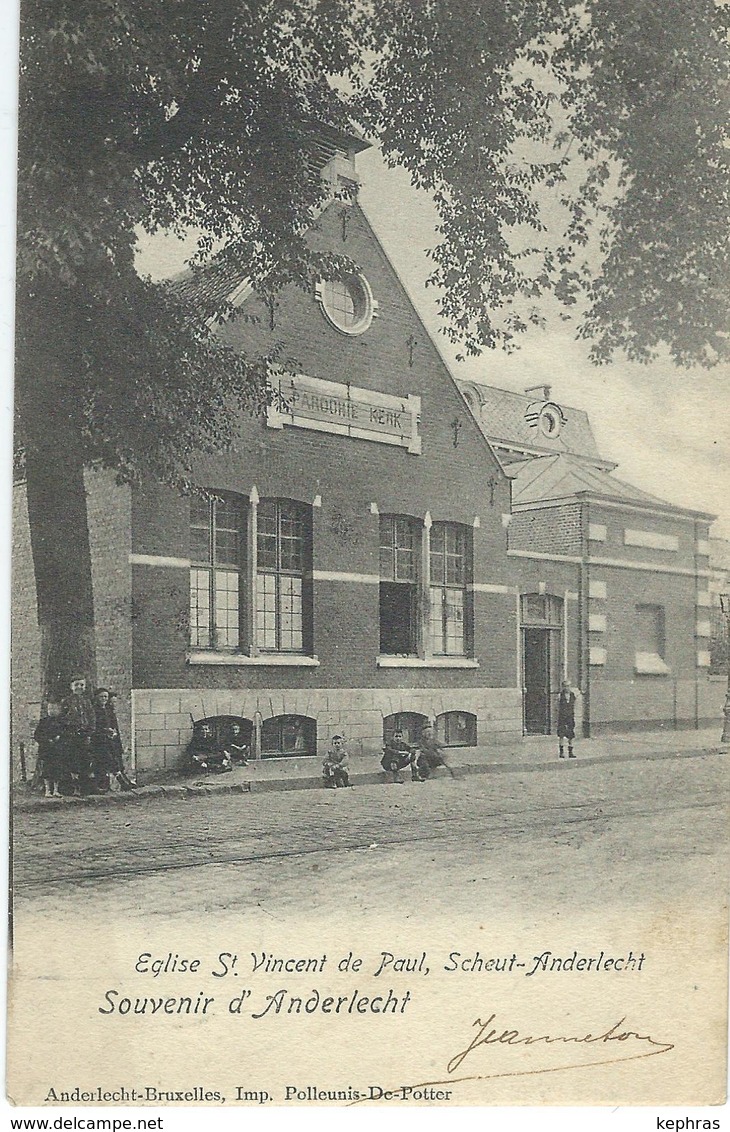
(572, 149)
(618, 106)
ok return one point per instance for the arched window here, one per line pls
(457, 729)
(287, 735)
(411, 723)
(217, 732)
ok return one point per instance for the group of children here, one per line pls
(79, 746)
(427, 755)
(218, 749)
(423, 758)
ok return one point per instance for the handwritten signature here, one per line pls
(490, 1037)
(635, 1045)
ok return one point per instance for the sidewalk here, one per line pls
(532, 753)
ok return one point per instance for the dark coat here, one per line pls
(48, 735)
(105, 741)
(566, 715)
(79, 724)
(78, 715)
(431, 753)
(397, 755)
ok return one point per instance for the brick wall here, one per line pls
(616, 522)
(549, 530)
(348, 475)
(25, 639)
(621, 696)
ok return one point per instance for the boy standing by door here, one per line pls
(566, 719)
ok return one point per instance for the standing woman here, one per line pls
(566, 718)
(79, 724)
(105, 741)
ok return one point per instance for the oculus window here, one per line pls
(347, 303)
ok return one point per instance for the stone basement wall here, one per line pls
(549, 530)
(163, 726)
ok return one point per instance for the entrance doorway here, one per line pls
(536, 651)
(542, 641)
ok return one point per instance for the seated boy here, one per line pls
(335, 765)
(204, 751)
(431, 753)
(235, 749)
(397, 755)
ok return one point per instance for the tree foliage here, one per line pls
(204, 114)
(617, 106)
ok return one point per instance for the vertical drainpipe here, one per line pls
(583, 657)
(695, 639)
(425, 648)
(565, 662)
(133, 733)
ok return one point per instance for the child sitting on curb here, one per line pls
(431, 753)
(397, 755)
(334, 767)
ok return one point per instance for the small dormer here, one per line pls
(532, 423)
(334, 153)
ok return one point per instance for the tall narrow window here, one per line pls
(215, 573)
(650, 629)
(399, 552)
(448, 597)
(650, 641)
(283, 551)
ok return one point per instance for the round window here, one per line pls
(347, 303)
(551, 420)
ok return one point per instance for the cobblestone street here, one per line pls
(591, 835)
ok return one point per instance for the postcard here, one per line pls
(371, 559)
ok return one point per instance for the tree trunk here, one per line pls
(59, 536)
(48, 432)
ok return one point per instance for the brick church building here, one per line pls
(384, 546)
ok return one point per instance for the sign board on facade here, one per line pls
(338, 407)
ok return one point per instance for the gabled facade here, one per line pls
(347, 568)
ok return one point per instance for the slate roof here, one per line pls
(503, 419)
(210, 285)
(543, 478)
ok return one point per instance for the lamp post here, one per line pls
(725, 607)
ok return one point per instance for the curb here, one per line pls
(178, 792)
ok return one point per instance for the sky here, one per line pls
(667, 428)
